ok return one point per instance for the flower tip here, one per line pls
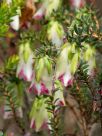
(32, 124)
(66, 80)
(61, 103)
(38, 17)
(15, 23)
(44, 90)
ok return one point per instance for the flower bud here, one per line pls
(39, 67)
(46, 9)
(24, 69)
(38, 88)
(63, 66)
(55, 33)
(77, 3)
(43, 71)
(40, 12)
(38, 114)
(89, 57)
(52, 5)
(58, 96)
(66, 79)
(15, 23)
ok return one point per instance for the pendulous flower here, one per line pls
(15, 23)
(77, 3)
(55, 33)
(46, 9)
(39, 115)
(40, 13)
(89, 57)
(25, 65)
(58, 96)
(38, 88)
(63, 66)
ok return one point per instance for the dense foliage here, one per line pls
(57, 56)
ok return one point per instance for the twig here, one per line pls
(7, 94)
(74, 112)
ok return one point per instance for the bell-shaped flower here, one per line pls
(67, 64)
(66, 79)
(89, 57)
(15, 23)
(38, 88)
(43, 71)
(58, 96)
(46, 9)
(52, 5)
(91, 66)
(42, 82)
(25, 68)
(39, 115)
(40, 12)
(77, 3)
(55, 33)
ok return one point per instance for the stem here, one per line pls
(75, 113)
(101, 111)
(7, 94)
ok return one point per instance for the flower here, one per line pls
(46, 9)
(89, 57)
(52, 5)
(66, 79)
(91, 65)
(77, 3)
(24, 69)
(42, 80)
(38, 88)
(58, 96)
(39, 114)
(67, 64)
(40, 13)
(63, 66)
(55, 33)
(15, 22)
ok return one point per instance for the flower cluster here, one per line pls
(47, 77)
(46, 80)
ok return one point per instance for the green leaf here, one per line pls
(39, 112)
(89, 53)
(48, 64)
(26, 51)
(74, 63)
(12, 62)
(39, 69)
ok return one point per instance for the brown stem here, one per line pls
(75, 113)
(7, 94)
